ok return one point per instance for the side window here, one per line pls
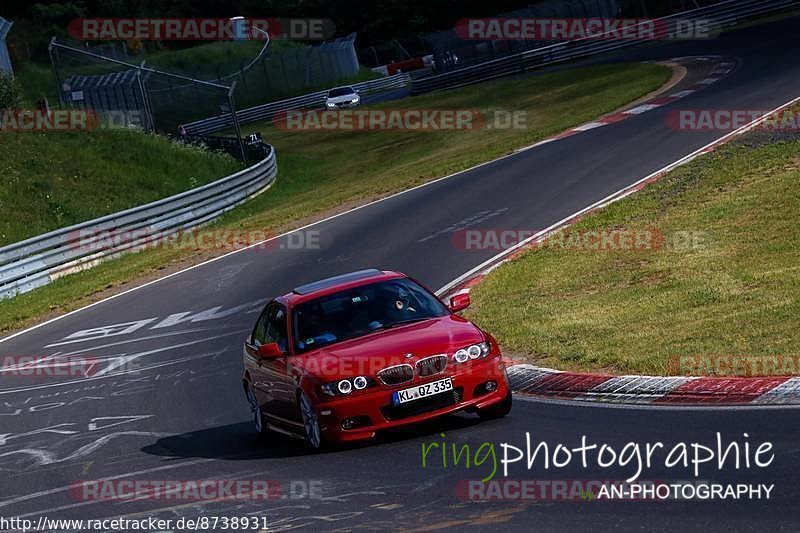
(276, 326)
(260, 331)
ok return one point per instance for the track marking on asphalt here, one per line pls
(65, 488)
(137, 339)
(135, 370)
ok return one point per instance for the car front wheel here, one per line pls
(258, 415)
(313, 434)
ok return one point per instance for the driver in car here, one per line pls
(395, 305)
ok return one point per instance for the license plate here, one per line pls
(422, 391)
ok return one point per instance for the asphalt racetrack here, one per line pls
(181, 414)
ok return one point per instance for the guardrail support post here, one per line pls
(149, 123)
(235, 119)
(53, 64)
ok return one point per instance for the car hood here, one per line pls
(340, 99)
(368, 354)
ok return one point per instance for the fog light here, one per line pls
(355, 421)
(491, 386)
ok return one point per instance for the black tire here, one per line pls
(258, 415)
(498, 410)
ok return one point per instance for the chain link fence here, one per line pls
(5, 59)
(161, 92)
(124, 94)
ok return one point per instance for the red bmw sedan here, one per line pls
(340, 359)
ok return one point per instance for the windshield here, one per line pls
(341, 91)
(362, 310)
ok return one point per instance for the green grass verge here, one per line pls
(51, 180)
(36, 81)
(735, 290)
(321, 172)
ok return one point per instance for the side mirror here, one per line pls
(270, 350)
(459, 302)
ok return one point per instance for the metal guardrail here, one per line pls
(718, 16)
(37, 261)
(307, 101)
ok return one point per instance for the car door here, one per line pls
(254, 363)
(277, 385)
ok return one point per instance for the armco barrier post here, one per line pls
(51, 50)
(235, 120)
(148, 122)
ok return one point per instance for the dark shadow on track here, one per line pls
(240, 441)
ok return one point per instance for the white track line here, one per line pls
(613, 197)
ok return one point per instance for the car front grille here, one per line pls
(429, 366)
(395, 375)
(425, 405)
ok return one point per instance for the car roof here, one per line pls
(315, 289)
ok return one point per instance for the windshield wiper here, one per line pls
(404, 322)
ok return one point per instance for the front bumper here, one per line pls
(342, 105)
(374, 410)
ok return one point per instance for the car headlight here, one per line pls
(330, 105)
(344, 387)
(355, 100)
(474, 351)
